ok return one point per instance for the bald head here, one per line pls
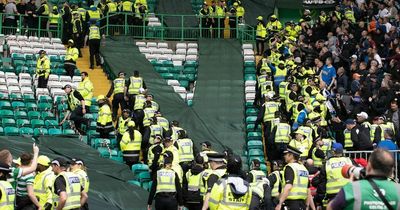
(380, 163)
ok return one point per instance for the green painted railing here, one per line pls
(40, 27)
(122, 24)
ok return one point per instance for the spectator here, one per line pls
(10, 20)
(388, 143)
(342, 81)
(328, 74)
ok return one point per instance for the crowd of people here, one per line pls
(36, 182)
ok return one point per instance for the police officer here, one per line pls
(316, 152)
(255, 173)
(43, 182)
(267, 113)
(72, 54)
(77, 31)
(54, 16)
(220, 13)
(85, 88)
(137, 107)
(93, 13)
(111, 8)
(186, 151)
(94, 44)
(204, 14)
(295, 193)
(127, 7)
(275, 181)
(118, 89)
(68, 193)
(42, 69)
(166, 188)
(122, 124)
(233, 19)
(231, 191)
(78, 167)
(168, 145)
(7, 192)
(154, 105)
(274, 25)
(155, 129)
(356, 137)
(76, 108)
(375, 191)
(175, 128)
(280, 137)
(130, 144)
(154, 153)
(104, 121)
(133, 85)
(43, 12)
(192, 185)
(331, 174)
(261, 34)
(216, 161)
(301, 143)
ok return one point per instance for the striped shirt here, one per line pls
(23, 182)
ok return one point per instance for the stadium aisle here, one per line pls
(97, 76)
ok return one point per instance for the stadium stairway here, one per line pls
(97, 76)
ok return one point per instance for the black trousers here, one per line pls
(131, 160)
(205, 28)
(138, 118)
(78, 39)
(118, 101)
(194, 206)
(232, 27)
(295, 204)
(119, 137)
(145, 142)
(8, 22)
(42, 82)
(260, 45)
(131, 102)
(166, 203)
(24, 203)
(77, 117)
(70, 69)
(221, 27)
(94, 50)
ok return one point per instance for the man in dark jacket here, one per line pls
(360, 136)
(192, 182)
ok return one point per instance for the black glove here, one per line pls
(47, 206)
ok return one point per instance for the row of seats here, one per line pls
(32, 45)
(178, 66)
(254, 143)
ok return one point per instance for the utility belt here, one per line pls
(166, 194)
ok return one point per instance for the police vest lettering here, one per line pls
(84, 179)
(227, 200)
(335, 179)
(94, 15)
(282, 133)
(7, 196)
(300, 182)
(73, 190)
(135, 85)
(185, 150)
(139, 102)
(165, 181)
(119, 85)
(257, 175)
(270, 108)
(94, 32)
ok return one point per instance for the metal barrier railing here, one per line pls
(125, 24)
(366, 154)
(29, 25)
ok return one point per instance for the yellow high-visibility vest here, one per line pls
(75, 24)
(72, 101)
(7, 196)
(42, 186)
(54, 18)
(119, 85)
(123, 125)
(127, 6)
(105, 117)
(271, 107)
(72, 54)
(222, 198)
(348, 143)
(275, 190)
(135, 85)
(334, 177)
(82, 11)
(127, 144)
(300, 182)
(84, 178)
(257, 175)
(282, 134)
(73, 190)
(185, 150)
(139, 102)
(94, 15)
(94, 32)
(163, 122)
(194, 182)
(85, 88)
(112, 7)
(43, 67)
(261, 31)
(165, 180)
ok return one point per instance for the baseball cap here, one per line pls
(66, 86)
(77, 161)
(363, 115)
(337, 147)
(61, 162)
(43, 160)
(354, 56)
(350, 122)
(71, 41)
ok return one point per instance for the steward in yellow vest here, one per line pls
(295, 181)
(274, 25)
(43, 182)
(275, 180)
(85, 88)
(94, 44)
(166, 189)
(42, 69)
(118, 88)
(261, 35)
(6, 189)
(135, 83)
(131, 145)
(231, 191)
(186, 151)
(153, 155)
(155, 130)
(104, 121)
(122, 124)
(68, 193)
(93, 14)
(71, 56)
(316, 153)
(43, 13)
(53, 22)
(78, 168)
(192, 185)
(211, 177)
(78, 31)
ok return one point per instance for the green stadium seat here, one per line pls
(161, 69)
(89, 116)
(191, 77)
(45, 107)
(45, 99)
(31, 63)
(37, 123)
(40, 131)
(8, 122)
(16, 97)
(190, 64)
(167, 63)
(77, 72)
(8, 68)
(167, 75)
(254, 136)
(139, 168)
(21, 69)
(6, 114)
(48, 116)
(20, 115)
(26, 131)
(146, 185)
(60, 71)
(251, 112)
(184, 83)
(30, 57)
(156, 63)
(251, 119)
(60, 99)
(3, 96)
(63, 107)
(100, 142)
(134, 182)
(17, 56)
(249, 70)
(54, 58)
(249, 64)
(5, 105)
(93, 109)
(249, 105)
(104, 152)
(33, 115)
(189, 70)
(68, 132)
(94, 101)
(93, 125)
(250, 128)
(264, 168)
(18, 63)
(254, 144)
(11, 131)
(175, 70)
(18, 105)
(117, 156)
(249, 77)
(1, 131)
(54, 131)
(51, 124)
(255, 153)
(190, 102)
(144, 177)
(23, 123)
(28, 98)
(31, 106)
